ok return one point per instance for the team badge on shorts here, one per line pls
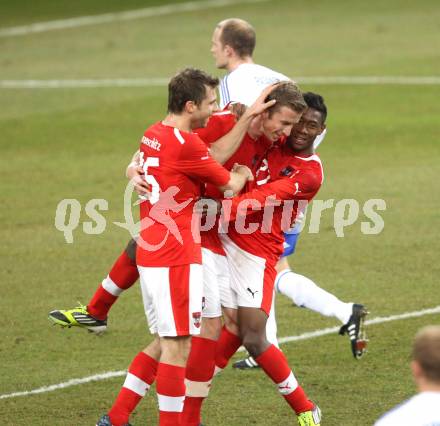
(197, 318)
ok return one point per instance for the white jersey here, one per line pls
(246, 82)
(422, 409)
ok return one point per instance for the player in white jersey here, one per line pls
(244, 83)
(233, 44)
(422, 409)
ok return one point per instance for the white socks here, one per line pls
(305, 293)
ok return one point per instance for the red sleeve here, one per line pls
(218, 125)
(195, 161)
(303, 185)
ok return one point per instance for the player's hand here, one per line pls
(243, 170)
(237, 109)
(136, 175)
(260, 105)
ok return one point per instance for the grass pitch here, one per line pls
(75, 143)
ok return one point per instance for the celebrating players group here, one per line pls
(222, 193)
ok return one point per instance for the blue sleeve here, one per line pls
(290, 240)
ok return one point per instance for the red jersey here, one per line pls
(250, 153)
(175, 163)
(284, 179)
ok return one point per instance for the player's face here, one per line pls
(305, 131)
(206, 108)
(280, 123)
(218, 50)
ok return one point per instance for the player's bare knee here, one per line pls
(185, 348)
(131, 249)
(255, 343)
(153, 349)
(211, 328)
(233, 328)
(175, 350)
(230, 320)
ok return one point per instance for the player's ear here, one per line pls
(229, 50)
(190, 107)
(323, 127)
(416, 369)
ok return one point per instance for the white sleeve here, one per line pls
(318, 140)
(224, 92)
(234, 88)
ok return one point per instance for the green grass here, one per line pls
(75, 143)
(27, 12)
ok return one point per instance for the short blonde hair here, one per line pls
(238, 34)
(426, 351)
(286, 94)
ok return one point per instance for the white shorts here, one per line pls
(252, 278)
(216, 287)
(173, 299)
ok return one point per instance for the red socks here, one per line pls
(140, 377)
(122, 276)
(206, 358)
(199, 373)
(170, 387)
(227, 344)
(274, 364)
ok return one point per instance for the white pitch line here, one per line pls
(377, 320)
(73, 84)
(366, 80)
(304, 336)
(151, 82)
(71, 382)
(127, 15)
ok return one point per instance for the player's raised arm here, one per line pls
(223, 148)
(196, 161)
(302, 186)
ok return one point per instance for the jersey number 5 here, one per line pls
(151, 180)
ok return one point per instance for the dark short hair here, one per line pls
(315, 101)
(188, 85)
(286, 94)
(238, 34)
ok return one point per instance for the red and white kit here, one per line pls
(254, 241)
(216, 275)
(176, 164)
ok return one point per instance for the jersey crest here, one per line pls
(287, 171)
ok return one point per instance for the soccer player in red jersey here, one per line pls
(268, 128)
(175, 162)
(291, 173)
(202, 359)
(233, 44)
